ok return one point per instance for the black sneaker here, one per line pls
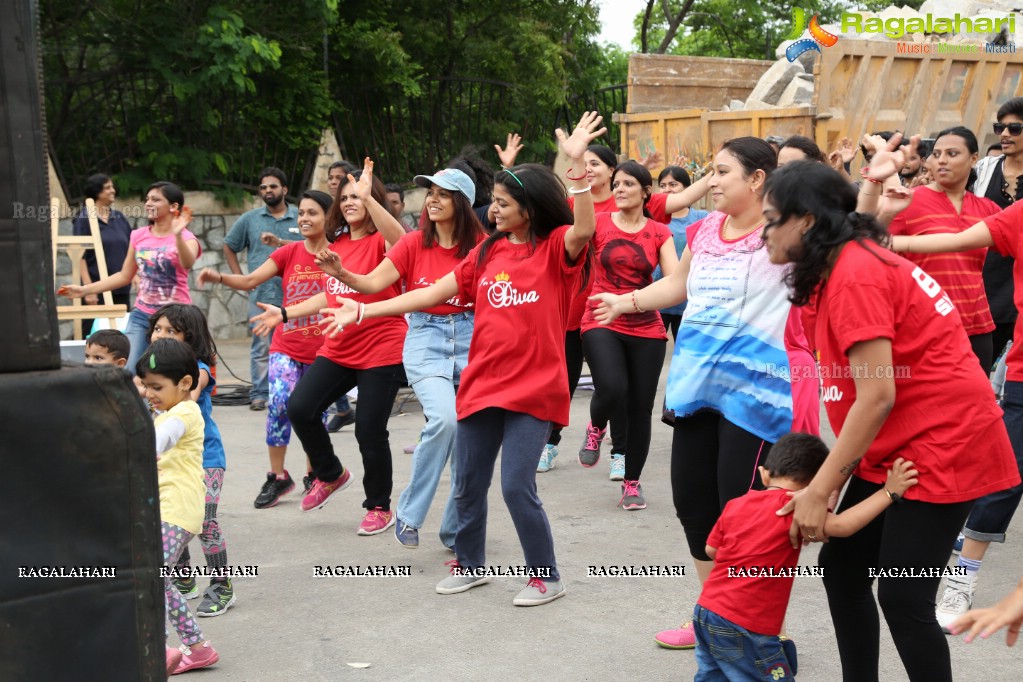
(307, 483)
(272, 490)
(340, 420)
(217, 599)
(188, 588)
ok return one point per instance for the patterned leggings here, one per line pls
(284, 373)
(214, 546)
(175, 541)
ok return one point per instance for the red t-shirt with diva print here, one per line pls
(376, 342)
(517, 356)
(625, 262)
(420, 266)
(300, 339)
(962, 452)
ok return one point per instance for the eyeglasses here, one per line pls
(262, 187)
(1014, 128)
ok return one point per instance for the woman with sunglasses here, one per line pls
(945, 206)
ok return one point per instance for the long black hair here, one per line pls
(542, 196)
(337, 224)
(467, 230)
(189, 320)
(809, 188)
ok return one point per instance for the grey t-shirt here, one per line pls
(244, 234)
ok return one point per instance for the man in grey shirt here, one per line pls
(281, 221)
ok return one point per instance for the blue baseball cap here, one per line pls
(451, 179)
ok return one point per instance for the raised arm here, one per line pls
(687, 197)
(385, 222)
(383, 275)
(574, 145)
(117, 280)
(976, 237)
(188, 249)
(272, 316)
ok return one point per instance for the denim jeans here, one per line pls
(726, 651)
(992, 513)
(259, 358)
(436, 352)
(136, 331)
(520, 439)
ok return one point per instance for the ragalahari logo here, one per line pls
(818, 36)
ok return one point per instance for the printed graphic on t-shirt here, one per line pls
(455, 300)
(502, 293)
(305, 282)
(158, 277)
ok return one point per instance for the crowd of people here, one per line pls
(789, 294)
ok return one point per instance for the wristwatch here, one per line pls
(894, 497)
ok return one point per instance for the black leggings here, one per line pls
(322, 384)
(982, 348)
(1000, 337)
(625, 373)
(712, 461)
(672, 322)
(910, 534)
(574, 361)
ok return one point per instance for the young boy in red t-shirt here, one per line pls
(743, 602)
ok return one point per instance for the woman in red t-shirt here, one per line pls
(361, 229)
(295, 345)
(892, 352)
(521, 281)
(625, 357)
(945, 207)
(437, 345)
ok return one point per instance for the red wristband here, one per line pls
(863, 174)
(582, 177)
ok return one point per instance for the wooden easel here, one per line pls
(76, 246)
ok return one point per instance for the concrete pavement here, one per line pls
(288, 624)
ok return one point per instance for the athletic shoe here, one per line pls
(376, 521)
(340, 420)
(321, 492)
(537, 592)
(683, 637)
(257, 406)
(958, 546)
(589, 453)
(307, 483)
(173, 659)
(197, 657)
(547, 458)
(957, 600)
(456, 583)
(406, 534)
(188, 588)
(217, 599)
(617, 467)
(273, 489)
(632, 496)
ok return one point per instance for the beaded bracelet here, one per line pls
(635, 303)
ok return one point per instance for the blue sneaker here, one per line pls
(406, 534)
(547, 458)
(958, 546)
(617, 466)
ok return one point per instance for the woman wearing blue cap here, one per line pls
(437, 345)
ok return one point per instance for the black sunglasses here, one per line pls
(1014, 128)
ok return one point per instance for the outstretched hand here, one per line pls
(330, 263)
(267, 320)
(511, 150)
(610, 306)
(335, 319)
(181, 220)
(585, 132)
(892, 157)
(208, 276)
(71, 291)
(364, 185)
(896, 199)
(986, 622)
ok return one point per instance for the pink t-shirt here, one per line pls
(162, 280)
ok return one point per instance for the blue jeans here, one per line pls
(726, 651)
(520, 439)
(136, 330)
(992, 513)
(436, 352)
(259, 358)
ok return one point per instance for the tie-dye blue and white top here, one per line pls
(730, 355)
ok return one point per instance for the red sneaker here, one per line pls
(321, 492)
(198, 656)
(376, 521)
(173, 659)
(683, 637)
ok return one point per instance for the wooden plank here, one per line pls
(79, 312)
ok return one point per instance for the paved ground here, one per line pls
(288, 624)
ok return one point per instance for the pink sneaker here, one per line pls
(173, 659)
(321, 492)
(683, 637)
(632, 496)
(589, 453)
(376, 521)
(197, 657)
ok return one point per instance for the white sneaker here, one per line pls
(617, 467)
(547, 458)
(957, 600)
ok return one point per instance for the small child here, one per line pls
(186, 323)
(107, 347)
(747, 612)
(168, 371)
